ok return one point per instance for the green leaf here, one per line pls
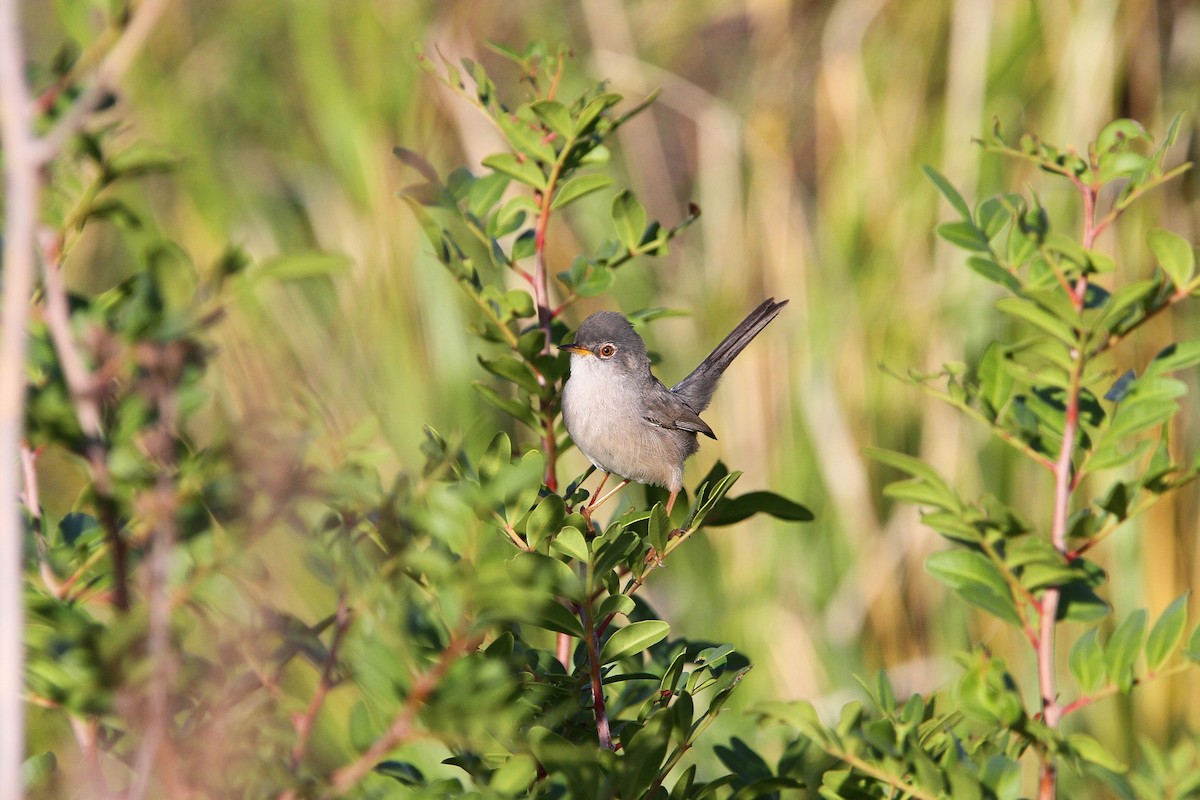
(1038, 316)
(928, 489)
(485, 193)
(37, 769)
(1118, 134)
(629, 219)
(976, 579)
(947, 191)
(995, 273)
(706, 500)
(615, 604)
(591, 112)
(903, 462)
(1192, 650)
(545, 521)
(570, 542)
(299, 266)
(526, 136)
(1123, 648)
(555, 115)
(1086, 662)
(497, 455)
(736, 509)
(1167, 633)
(1177, 356)
(514, 776)
(577, 187)
(1175, 255)
(658, 528)
(511, 369)
(994, 213)
(633, 638)
(1089, 749)
(511, 407)
(523, 170)
(555, 617)
(643, 754)
(963, 234)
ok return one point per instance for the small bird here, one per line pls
(625, 420)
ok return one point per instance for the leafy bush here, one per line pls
(461, 627)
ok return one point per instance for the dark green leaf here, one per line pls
(402, 771)
(736, 509)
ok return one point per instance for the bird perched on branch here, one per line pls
(625, 420)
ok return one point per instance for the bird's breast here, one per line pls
(606, 419)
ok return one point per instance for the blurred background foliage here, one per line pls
(799, 129)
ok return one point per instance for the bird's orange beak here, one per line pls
(575, 348)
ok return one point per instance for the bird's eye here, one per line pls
(608, 350)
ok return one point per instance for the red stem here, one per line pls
(603, 732)
(1064, 485)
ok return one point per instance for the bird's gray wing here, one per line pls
(667, 410)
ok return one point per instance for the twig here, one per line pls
(401, 729)
(114, 65)
(58, 322)
(85, 737)
(1052, 710)
(1086, 700)
(29, 496)
(304, 722)
(592, 638)
(163, 501)
(21, 200)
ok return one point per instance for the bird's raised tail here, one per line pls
(697, 389)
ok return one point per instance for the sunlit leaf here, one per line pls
(633, 638)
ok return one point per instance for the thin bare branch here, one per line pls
(402, 729)
(21, 199)
(112, 68)
(304, 722)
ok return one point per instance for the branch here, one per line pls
(21, 200)
(592, 637)
(401, 729)
(110, 71)
(304, 722)
(160, 506)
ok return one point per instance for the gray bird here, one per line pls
(624, 419)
